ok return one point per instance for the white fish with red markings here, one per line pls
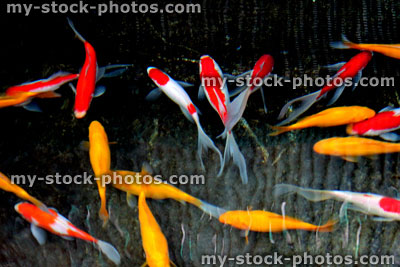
(55, 223)
(262, 69)
(214, 86)
(177, 94)
(386, 208)
(382, 125)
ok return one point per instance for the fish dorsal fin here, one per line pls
(388, 108)
(39, 234)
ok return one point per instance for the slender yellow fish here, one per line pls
(349, 148)
(328, 118)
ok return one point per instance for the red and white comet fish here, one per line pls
(261, 70)
(388, 209)
(177, 94)
(351, 69)
(55, 223)
(382, 124)
(214, 86)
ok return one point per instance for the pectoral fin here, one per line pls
(39, 234)
(382, 219)
(350, 158)
(32, 106)
(130, 201)
(393, 137)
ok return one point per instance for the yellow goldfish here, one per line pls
(154, 242)
(265, 221)
(157, 189)
(349, 148)
(328, 118)
(100, 159)
(7, 185)
(390, 50)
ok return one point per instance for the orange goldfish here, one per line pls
(328, 118)
(349, 148)
(154, 242)
(100, 160)
(7, 185)
(157, 189)
(390, 50)
(265, 221)
(57, 224)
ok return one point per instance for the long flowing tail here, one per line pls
(305, 103)
(236, 108)
(344, 44)
(110, 251)
(205, 142)
(310, 194)
(210, 209)
(232, 150)
(279, 130)
(327, 227)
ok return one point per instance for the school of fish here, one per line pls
(230, 106)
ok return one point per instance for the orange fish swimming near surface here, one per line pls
(57, 224)
(390, 50)
(158, 189)
(350, 148)
(328, 118)
(155, 244)
(265, 221)
(100, 159)
(7, 185)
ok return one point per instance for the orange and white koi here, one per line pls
(382, 125)
(158, 189)
(352, 69)
(177, 94)
(55, 223)
(386, 208)
(390, 50)
(265, 221)
(214, 86)
(100, 159)
(155, 244)
(328, 118)
(7, 185)
(349, 148)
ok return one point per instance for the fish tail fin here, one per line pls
(232, 150)
(71, 24)
(110, 251)
(344, 44)
(327, 227)
(211, 209)
(236, 108)
(305, 103)
(279, 130)
(103, 213)
(205, 142)
(310, 194)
